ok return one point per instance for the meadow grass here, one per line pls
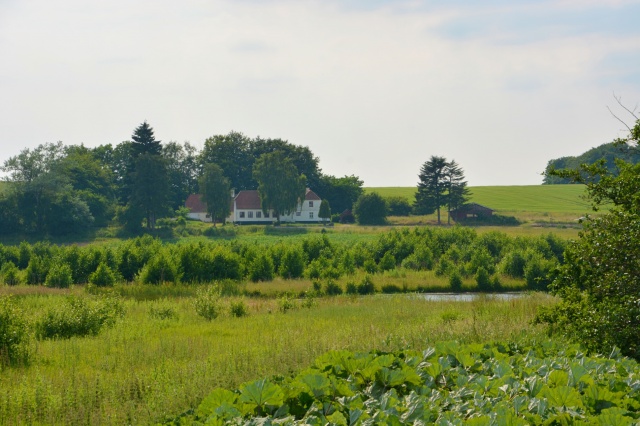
(533, 198)
(144, 369)
(559, 204)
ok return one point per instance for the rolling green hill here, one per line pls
(564, 200)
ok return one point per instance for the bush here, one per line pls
(513, 264)
(538, 273)
(13, 333)
(238, 308)
(398, 206)
(351, 288)
(162, 310)
(79, 316)
(103, 276)
(370, 266)
(285, 304)
(420, 259)
(366, 286)
(444, 266)
(331, 288)
(391, 289)
(481, 258)
(292, 263)
(261, 269)
(388, 262)
(483, 279)
(36, 272)
(160, 269)
(370, 209)
(59, 276)
(455, 280)
(207, 302)
(10, 274)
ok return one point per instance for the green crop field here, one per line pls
(529, 203)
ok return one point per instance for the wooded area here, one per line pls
(57, 189)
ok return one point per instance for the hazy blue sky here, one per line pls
(374, 87)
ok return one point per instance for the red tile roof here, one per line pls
(310, 195)
(195, 204)
(248, 199)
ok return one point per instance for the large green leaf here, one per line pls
(338, 419)
(318, 384)
(563, 396)
(216, 399)
(260, 393)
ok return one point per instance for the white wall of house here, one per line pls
(306, 212)
(250, 215)
(204, 217)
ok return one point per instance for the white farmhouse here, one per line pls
(197, 208)
(246, 208)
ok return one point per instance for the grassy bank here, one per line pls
(145, 368)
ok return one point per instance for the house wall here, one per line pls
(304, 213)
(199, 216)
(250, 215)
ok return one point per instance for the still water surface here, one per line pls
(467, 297)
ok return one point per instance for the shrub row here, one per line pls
(456, 253)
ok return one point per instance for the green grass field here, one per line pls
(530, 203)
(145, 369)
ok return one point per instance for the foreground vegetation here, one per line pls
(491, 384)
(160, 357)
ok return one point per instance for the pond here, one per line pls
(467, 297)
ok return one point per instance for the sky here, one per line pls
(374, 88)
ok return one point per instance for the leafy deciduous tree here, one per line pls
(370, 209)
(599, 282)
(231, 152)
(342, 192)
(182, 167)
(216, 192)
(280, 185)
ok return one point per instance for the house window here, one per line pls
(310, 215)
(310, 203)
(241, 215)
(258, 215)
(298, 213)
(266, 214)
(250, 215)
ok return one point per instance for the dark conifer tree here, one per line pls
(144, 142)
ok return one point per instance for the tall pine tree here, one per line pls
(144, 142)
(458, 193)
(441, 184)
(432, 186)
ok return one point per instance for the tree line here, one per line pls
(62, 189)
(455, 253)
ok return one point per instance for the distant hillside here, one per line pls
(608, 151)
(567, 199)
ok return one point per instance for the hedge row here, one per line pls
(456, 253)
